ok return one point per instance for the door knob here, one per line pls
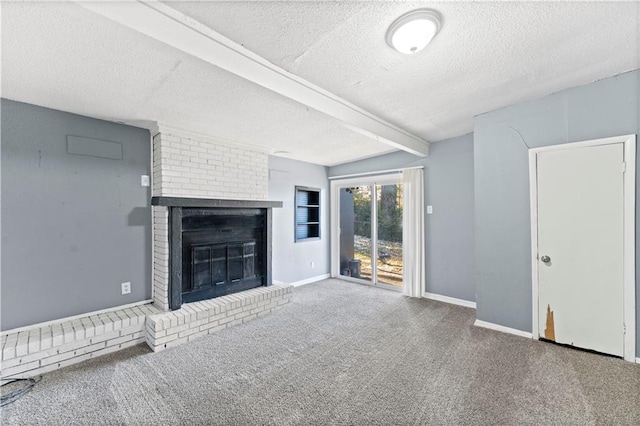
(545, 259)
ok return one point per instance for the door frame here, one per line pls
(383, 179)
(629, 190)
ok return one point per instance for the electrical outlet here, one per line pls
(126, 288)
(144, 180)
(429, 209)
(313, 265)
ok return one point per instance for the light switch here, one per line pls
(429, 209)
(144, 180)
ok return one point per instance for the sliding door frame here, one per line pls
(385, 179)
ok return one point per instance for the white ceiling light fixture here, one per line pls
(413, 31)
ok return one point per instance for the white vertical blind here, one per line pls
(413, 253)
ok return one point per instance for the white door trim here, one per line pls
(629, 306)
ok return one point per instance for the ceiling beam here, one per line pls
(165, 24)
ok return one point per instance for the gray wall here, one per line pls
(448, 174)
(73, 226)
(605, 108)
(291, 260)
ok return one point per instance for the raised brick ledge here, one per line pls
(38, 350)
(198, 319)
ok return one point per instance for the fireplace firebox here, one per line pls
(217, 247)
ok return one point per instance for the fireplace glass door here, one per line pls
(219, 264)
(221, 254)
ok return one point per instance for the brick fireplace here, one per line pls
(192, 176)
(201, 184)
(188, 166)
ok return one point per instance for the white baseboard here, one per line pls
(307, 281)
(447, 299)
(637, 360)
(502, 328)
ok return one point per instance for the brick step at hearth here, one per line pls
(39, 350)
(197, 319)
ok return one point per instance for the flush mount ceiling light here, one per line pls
(411, 32)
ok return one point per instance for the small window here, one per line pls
(307, 213)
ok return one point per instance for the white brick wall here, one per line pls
(161, 257)
(157, 165)
(187, 167)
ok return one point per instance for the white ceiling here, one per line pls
(486, 56)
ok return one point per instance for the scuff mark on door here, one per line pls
(549, 331)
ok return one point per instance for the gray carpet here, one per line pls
(343, 354)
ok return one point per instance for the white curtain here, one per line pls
(413, 253)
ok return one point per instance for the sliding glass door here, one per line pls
(370, 232)
(355, 232)
(389, 234)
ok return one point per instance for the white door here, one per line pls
(581, 247)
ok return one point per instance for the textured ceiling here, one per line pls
(487, 55)
(64, 57)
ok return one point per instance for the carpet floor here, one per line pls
(342, 354)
